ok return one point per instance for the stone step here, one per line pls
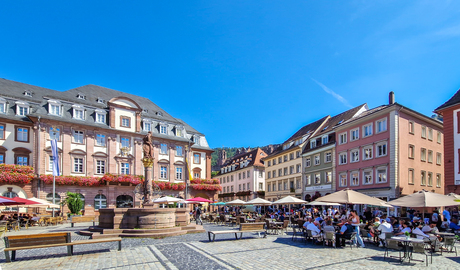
(152, 235)
(163, 230)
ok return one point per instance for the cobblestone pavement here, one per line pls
(194, 251)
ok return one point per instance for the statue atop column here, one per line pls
(147, 160)
(147, 145)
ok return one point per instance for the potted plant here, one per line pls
(74, 203)
(407, 234)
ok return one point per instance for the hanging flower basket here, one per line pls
(125, 178)
(72, 180)
(15, 178)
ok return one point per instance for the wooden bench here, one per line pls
(46, 240)
(244, 227)
(83, 219)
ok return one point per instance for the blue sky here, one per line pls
(245, 73)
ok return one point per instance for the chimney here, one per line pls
(391, 98)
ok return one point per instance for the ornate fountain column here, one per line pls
(147, 161)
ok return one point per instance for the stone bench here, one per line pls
(244, 227)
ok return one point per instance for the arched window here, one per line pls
(100, 201)
(49, 198)
(124, 201)
(9, 194)
(83, 199)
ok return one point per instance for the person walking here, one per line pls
(355, 223)
(198, 215)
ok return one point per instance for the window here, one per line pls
(163, 148)
(49, 198)
(367, 152)
(78, 165)
(100, 117)
(354, 155)
(274, 173)
(22, 134)
(22, 110)
(124, 168)
(381, 149)
(328, 177)
(163, 172)
(55, 133)
(327, 157)
(77, 136)
(381, 175)
(367, 177)
(324, 140)
(100, 139)
(411, 176)
(430, 156)
(298, 168)
(261, 186)
(438, 180)
(197, 175)
(411, 151)
(317, 160)
(439, 139)
(285, 158)
(280, 172)
(291, 170)
(354, 179)
(411, 127)
(178, 132)
(269, 163)
(22, 160)
(367, 130)
(423, 154)
(280, 186)
(274, 161)
(285, 171)
(381, 125)
(125, 142)
(2, 158)
(197, 158)
(2, 132)
(423, 178)
(424, 132)
(317, 178)
(308, 162)
(312, 143)
(78, 114)
(297, 154)
(430, 179)
(196, 139)
(354, 134)
(163, 129)
(2, 105)
(231, 178)
(343, 138)
(343, 180)
(307, 180)
(100, 201)
(179, 151)
(343, 158)
(55, 109)
(100, 166)
(269, 188)
(231, 188)
(430, 134)
(280, 160)
(438, 158)
(147, 126)
(269, 175)
(125, 121)
(178, 173)
(291, 156)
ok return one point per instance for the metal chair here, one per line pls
(352, 240)
(449, 244)
(296, 232)
(329, 236)
(421, 249)
(392, 245)
(313, 237)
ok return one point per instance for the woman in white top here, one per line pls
(355, 222)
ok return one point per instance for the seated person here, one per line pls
(313, 227)
(307, 222)
(429, 228)
(384, 228)
(328, 227)
(406, 228)
(454, 224)
(445, 224)
(374, 226)
(420, 234)
(345, 233)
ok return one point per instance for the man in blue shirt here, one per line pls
(454, 224)
(446, 214)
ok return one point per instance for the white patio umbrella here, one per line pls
(323, 203)
(349, 196)
(236, 202)
(289, 200)
(43, 203)
(258, 201)
(456, 196)
(167, 200)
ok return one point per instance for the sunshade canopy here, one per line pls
(43, 203)
(290, 200)
(21, 201)
(349, 196)
(425, 199)
(218, 203)
(323, 203)
(258, 201)
(167, 200)
(7, 201)
(236, 202)
(199, 199)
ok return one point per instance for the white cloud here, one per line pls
(334, 94)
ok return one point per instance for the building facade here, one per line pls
(450, 112)
(319, 157)
(390, 151)
(243, 176)
(99, 132)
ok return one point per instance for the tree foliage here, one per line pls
(74, 203)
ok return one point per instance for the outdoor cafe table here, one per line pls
(405, 241)
(445, 234)
(251, 220)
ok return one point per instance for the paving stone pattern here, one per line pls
(194, 251)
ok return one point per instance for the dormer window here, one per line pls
(179, 131)
(100, 100)
(101, 116)
(163, 129)
(27, 93)
(159, 113)
(147, 125)
(22, 108)
(2, 105)
(81, 96)
(313, 144)
(54, 107)
(78, 112)
(145, 110)
(325, 139)
(196, 139)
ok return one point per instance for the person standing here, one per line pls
(355, 222)
(198, 215)
(446, 214)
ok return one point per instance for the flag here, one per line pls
(55, 157)
(188, 169)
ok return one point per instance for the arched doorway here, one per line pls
(124, 201)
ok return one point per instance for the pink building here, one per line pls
(390, 151)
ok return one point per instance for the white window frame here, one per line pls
(163, 172)
(164, 129)
(354, 181)
(438, 180)
(55, 133)
(378, 127)
(378, 174)
(317, 178)
(411, 151)
(124, 168)
(179, 151)
(430, 134)
(77, 135)
(147, 126)
(343, 138)
(377, 150)
(54, 107)
(354, 134)
(354, 155)
(100, 166)
(78, 111)
(78, 164)
(423, 154)
(411, 127)
(438, 158)
(328, 177)
(411, 176)
(196, 139)
(308, 162)
(343, 180)
(343, 158)
(327, 157)
(367, 130)
(423, 133)
(179, 173)
(163, 149)
(429, 179)
(312, 143)
(100, 140)
(22, 110)
(366, 155)
(430, 156)
(317, 159)
(324, 140)
(368, 178)
(125, 142)
(307, 180)
(439, 137)
(101, 116)
(2, 105)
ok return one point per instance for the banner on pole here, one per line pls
(55, 157)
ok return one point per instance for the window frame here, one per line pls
(80, 133)
(81, 165)
(308, 162)
(2, 131)
(343, 176)
(126, 118)
(423, 154)
(411, 127)
(16, 135)
(354, 134)
(163, 171)
(438, 158)
(377, 145)
(317, 159)
(163, 148)
(195, 155)
(369, 125)
(354, 182)
(98, 166)
(377, 131)
(343, 138)
(125, 168)
(423, 133)
(411, 176)
(368, 147)
(97, 140)
(370, 173)
(342, 156)
(179, 173)
(377, 181)
(352, 155)
(411, 151)
(328, 157)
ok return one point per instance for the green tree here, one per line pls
(74, 203)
